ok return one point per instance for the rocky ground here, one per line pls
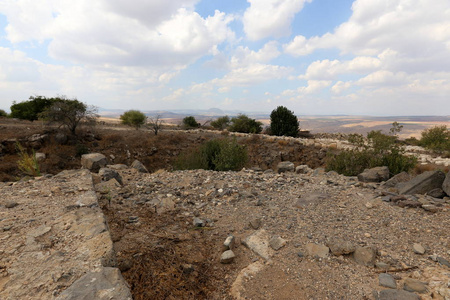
(306, 235)
(296, 236)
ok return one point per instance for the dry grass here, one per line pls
(419, 168)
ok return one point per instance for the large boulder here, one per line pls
(423, 183)
(446, 184)
(93, 161)
(285, 166)
(377, 174)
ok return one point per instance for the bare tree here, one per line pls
(155, 123)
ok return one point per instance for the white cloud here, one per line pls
(243, 56)
(383, 78)
(150, 13)
(15, 66)
(270, 18)
(253, 74)
(331, 69)
(340, 86)
(417, 30)
(105, 34)
(312, 87)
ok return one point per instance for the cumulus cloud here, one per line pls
(414, 29)
(150, 13)
(265, 18)
(244, 56)
(104, 33)
(331, 69)
(253, 74)
(15, 66)
(312, 87)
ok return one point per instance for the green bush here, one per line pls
(32, 108)
(133, 118)
(217, 155)
(378, 150)
(244, 124)
(436, 138)
(3, 113)
(190, 122)
(221, 123)
(81, 149)
(283, 122)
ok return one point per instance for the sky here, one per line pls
(316, 57)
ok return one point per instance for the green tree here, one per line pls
(283, 122)
(3, 113)
(190, 122)
(69, 113)
(134, 118)
(32, 108)
(244, 124)
(396, 128)
(436, 138)
(221, 123)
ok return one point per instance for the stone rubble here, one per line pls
(344, 226)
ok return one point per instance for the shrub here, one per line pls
(3, 113)
(436, 138)
(221, 123)
(412, 141)
(283, 122)
(81, 149)
(217, 155)
(133, 118)
(379, 150)
(32, 108)
(27, 163)
(244, 124)
(190, 122)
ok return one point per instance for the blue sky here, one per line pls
(363, 57)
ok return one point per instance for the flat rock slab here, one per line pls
(414, 285)
(316, 250)
(258, 242)
(365, 256)
(396, 295)
(387, 280)
(423, 183)
(308, 200)
(58, 235)
(106, 284)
